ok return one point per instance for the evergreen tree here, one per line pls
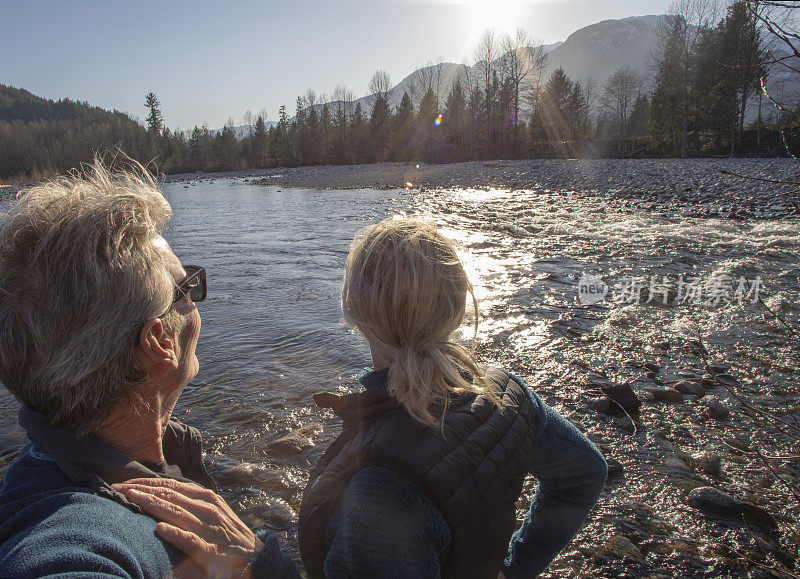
(358, 135)
(155, 120)
(665, 126)
(325, 135)
(380, 124)
(454, 123)
(402, 149)
(426, 130)
(260, 143)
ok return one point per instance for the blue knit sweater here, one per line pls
(387, 527)
(59, 516)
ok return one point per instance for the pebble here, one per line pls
(615, 469)
(602, 405)
(714, 408)
(622, 547)
(653, 367)
(665, 394)
(706, 462)
(713, 502)
(690, 388)
(708, 383)
(624, 396)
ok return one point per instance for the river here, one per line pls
(272, 336)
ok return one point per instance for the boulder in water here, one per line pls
(296, 441)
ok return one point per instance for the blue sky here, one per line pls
(208, 61)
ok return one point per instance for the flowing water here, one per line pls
(272, 336)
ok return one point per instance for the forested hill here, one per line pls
(17, 104)
(40, 137)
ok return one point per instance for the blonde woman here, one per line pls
(424, 478)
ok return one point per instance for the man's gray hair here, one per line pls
(79, 277)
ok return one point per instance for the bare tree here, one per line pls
(619, 95)
(486, 52)
(523, 63)
(690, 18)
(249, 121)
(380, 83)
(343, 99)
(428, 77)
(781, 46)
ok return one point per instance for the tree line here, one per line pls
(711, 61)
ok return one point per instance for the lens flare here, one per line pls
(438, 120)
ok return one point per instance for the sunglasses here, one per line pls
(193, 285)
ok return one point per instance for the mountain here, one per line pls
(594, 52)
(243, 131)
(597, 51)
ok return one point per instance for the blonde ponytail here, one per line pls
(405, 289)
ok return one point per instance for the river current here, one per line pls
(655, 281)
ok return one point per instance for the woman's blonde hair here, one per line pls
(405, 289)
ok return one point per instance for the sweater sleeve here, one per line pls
(571, 473)
(271, 561)
(387, 527)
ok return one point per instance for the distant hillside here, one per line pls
(17, 104)
(40, 137)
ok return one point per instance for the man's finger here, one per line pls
(185, 541)
(163, 510)
(190, 490)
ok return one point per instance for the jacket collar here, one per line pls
(374, 401)
(91, 463)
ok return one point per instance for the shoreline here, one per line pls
(695, 187)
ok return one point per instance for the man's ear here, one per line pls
(154, 347)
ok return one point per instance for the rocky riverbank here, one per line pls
(730, 188)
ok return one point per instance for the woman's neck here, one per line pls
(378, 361)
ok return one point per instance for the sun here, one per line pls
(504, 16)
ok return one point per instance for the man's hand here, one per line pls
(198, 522)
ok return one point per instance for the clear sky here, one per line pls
(208, 61)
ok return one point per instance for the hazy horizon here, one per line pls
(208, 64)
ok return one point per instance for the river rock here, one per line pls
(714, 408)
(690, 388)
(622, 547)
(706, 462)
(713, 502)
(652, 366)
(719, 367)
(614, 468)
(708, 383)
(623, 395)
(296, 441)
(727, 380)
(601, 404)
(665, 394)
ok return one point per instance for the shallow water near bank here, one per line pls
(272, 337)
